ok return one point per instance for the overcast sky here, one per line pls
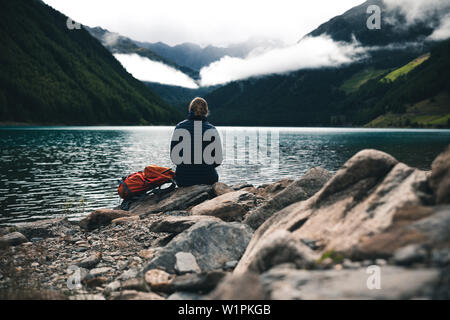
(204, 21)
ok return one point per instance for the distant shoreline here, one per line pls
(9, 124)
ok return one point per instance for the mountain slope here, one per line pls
(116, 43)
(353, 95)
(195, 57)
(53, 75)
(353, 25)
(350, 95)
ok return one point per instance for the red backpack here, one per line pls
(141, 182)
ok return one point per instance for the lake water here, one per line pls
(50, 172)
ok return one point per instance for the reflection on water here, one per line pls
(69, 171)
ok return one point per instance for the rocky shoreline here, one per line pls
(317, 237)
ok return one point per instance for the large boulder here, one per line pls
(299, 190)
(180, 199)
(418, 226)
(395, 283)
(101, 217)
(212, 243)
(359, 202)
(228, 207)
(440, 177)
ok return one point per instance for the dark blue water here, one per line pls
(69, 171)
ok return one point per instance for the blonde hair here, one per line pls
(199, 106)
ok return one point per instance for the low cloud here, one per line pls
(110, 38)
(436, 13)
(443, 31)
(147, 70)
(309, 53)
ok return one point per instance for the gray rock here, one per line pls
(299, 190)
(416, 225)
(101, 217)
(129, 274)
(196, 282)
(183, 296)
(138, 284)
(177, 224)
(440, 177)
(230, 265)
(358, 203)
(42, 229)
(247, 286)
(186, 263)
(240, 186)
(112, 286)
(99, 271)
(221, 188)
(230, 206)
(211, 242)
(270, 190)
(395, 283)
(180, 199)
(410, 254)
(12, 239)
(90, 261)
(279, 247)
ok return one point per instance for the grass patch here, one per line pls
(337, 258)
(394, 75)
(430, 113)
(360, 78)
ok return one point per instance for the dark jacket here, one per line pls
(193, 174)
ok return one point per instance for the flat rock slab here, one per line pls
(230, 206)
(180, 199)
(177, 224)
(44, 228)
(186, 263)
(395, 283)
(211, 242)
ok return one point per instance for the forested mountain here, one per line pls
(397, 85)
(353, 95)
(394, 29)
(51, 74)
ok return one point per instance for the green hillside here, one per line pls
(346, 96)
(394, 75)
(53, 75)
(361, 78)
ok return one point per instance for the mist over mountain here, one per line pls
(196, 57)
(118, 44)
(361, 91)
(402, 22)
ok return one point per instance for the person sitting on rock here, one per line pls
(196, 147)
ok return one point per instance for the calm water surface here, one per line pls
(69, 171)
